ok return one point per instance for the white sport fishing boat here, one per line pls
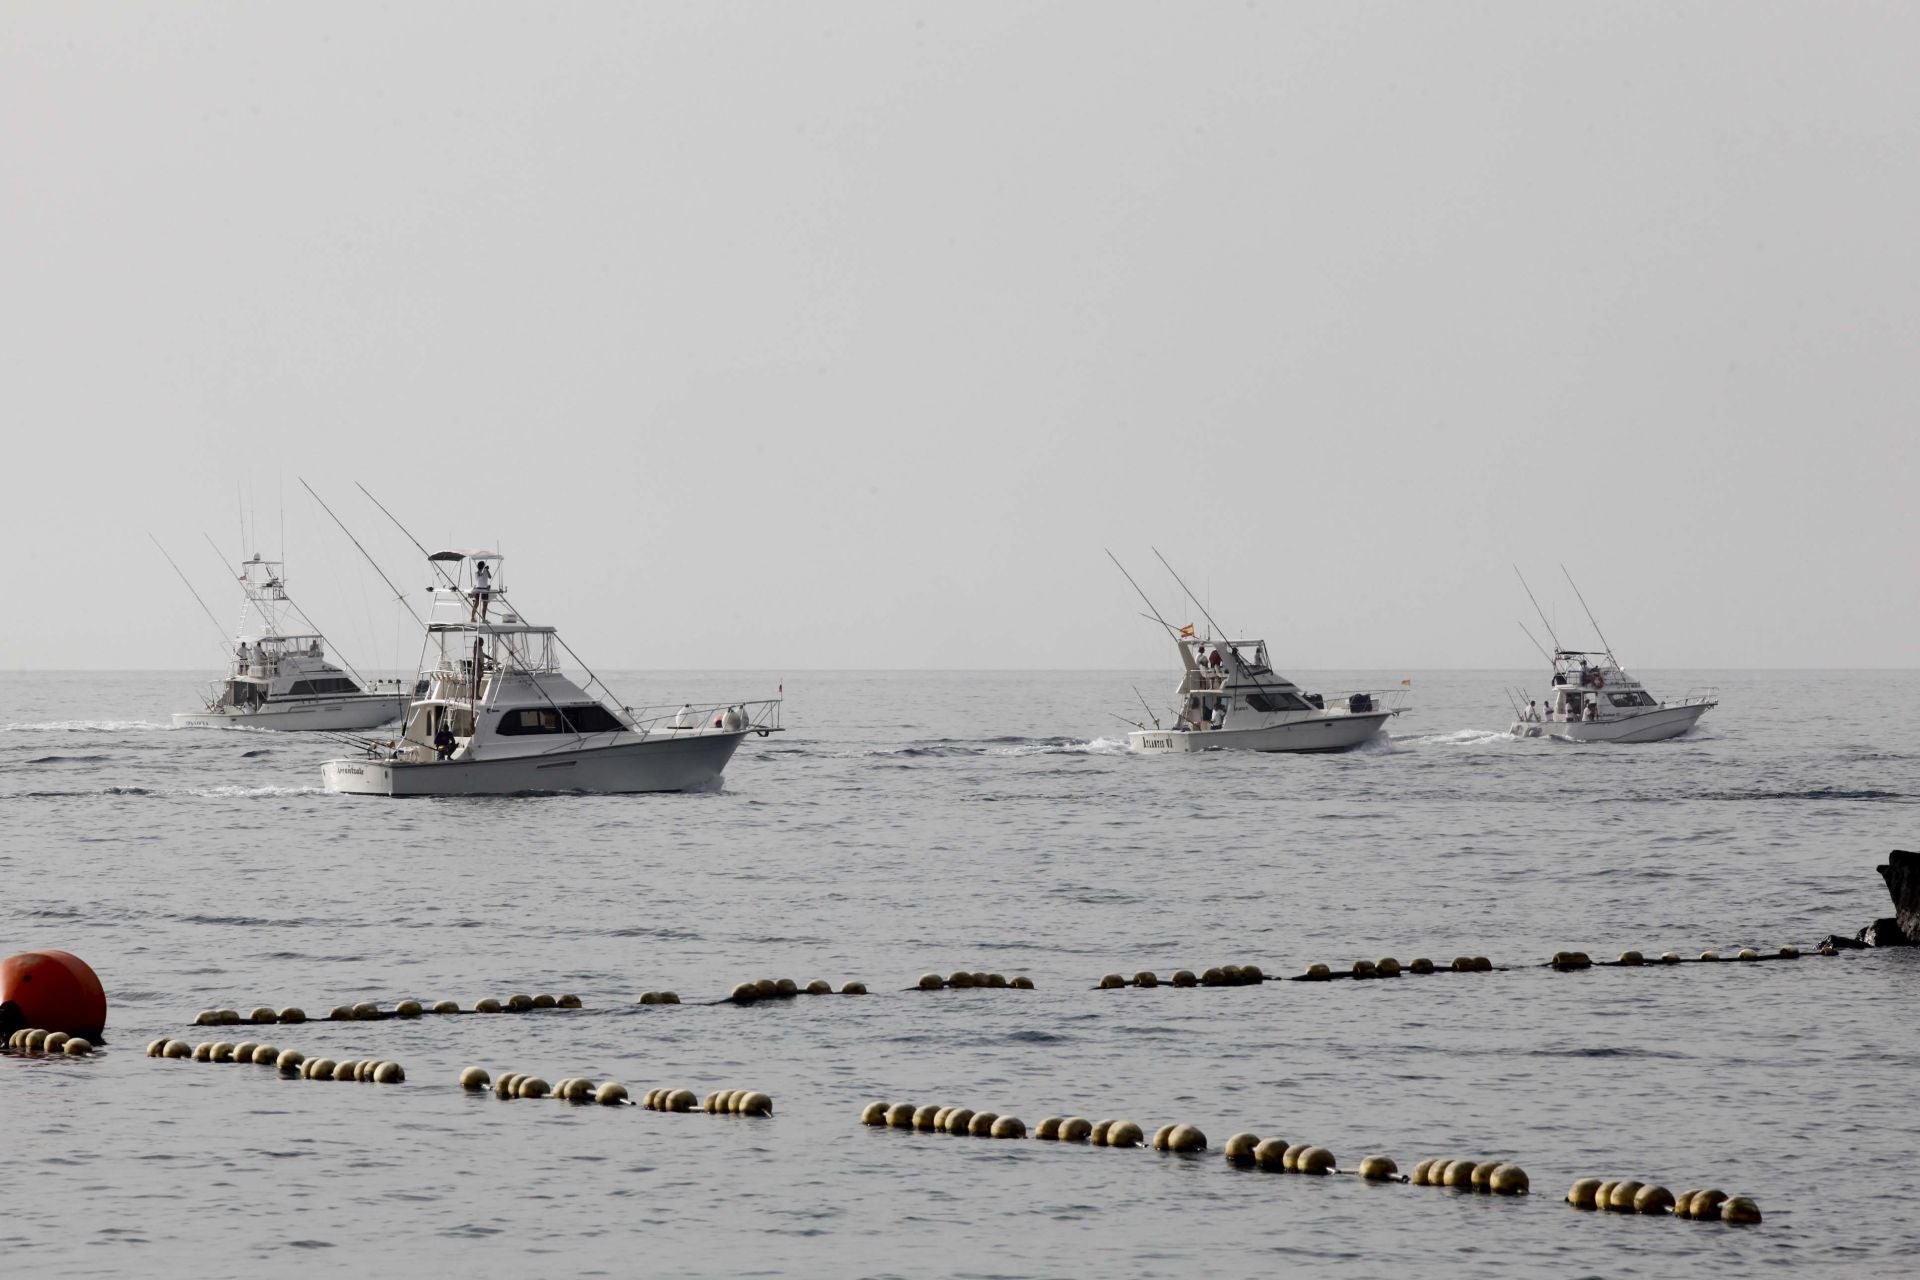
(496, 716)
(1230, 699)
(279, 676)
(1593, 700)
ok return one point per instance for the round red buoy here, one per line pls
(54, 991)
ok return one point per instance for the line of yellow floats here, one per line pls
(1630, 1196)
(291, 1063)
(1228, 975)
(34, 1040)
(368, 1011)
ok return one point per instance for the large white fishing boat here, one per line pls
(1230, 699)
(279, 676)
(1592, 700)
(497, 716)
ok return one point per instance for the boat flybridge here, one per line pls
(279, 676)
(1592, 700)
(1230, 699)
(497, 716)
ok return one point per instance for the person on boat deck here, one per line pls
(482, 588)
(1219, 708)
(1213, 659)
(443, 742)
(1593, 712)
(1533, 712)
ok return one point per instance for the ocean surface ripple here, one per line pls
(914, 822)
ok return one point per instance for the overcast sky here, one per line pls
(820, 335)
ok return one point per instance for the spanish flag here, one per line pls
(1186, 632)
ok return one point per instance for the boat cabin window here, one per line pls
(588, 717)
(1632, 698)
(591, 717)
(1277, 700)
(327, 684)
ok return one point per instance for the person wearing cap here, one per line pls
(482, 588)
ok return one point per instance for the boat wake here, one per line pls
(1459, 738)
(960, 748)
(165, 793)
(87, 726)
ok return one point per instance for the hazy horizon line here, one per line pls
(802, 671)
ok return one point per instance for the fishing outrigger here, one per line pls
(1592, 700)
(497, 716)
(1230, 698)
(278, 676)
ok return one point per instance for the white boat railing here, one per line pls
(761, 716)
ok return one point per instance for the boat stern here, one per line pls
(360, 776)
(1161, 741)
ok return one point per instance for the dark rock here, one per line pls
(1902, 874)
(1884, 932)
(1839, 943)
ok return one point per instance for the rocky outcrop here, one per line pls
(1901, 871)
(1902, 874)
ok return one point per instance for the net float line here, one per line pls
(1629, 1195)
(1570, 961)
(289, 1063)
(1226, 975)
(610, 1093)
(959, 1122)
(781, 989)
(37, 1042)
(960, 980)
(370, 1011)
(1492, 1177)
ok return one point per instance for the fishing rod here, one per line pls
(1535, 643)
(397, 593)
(195, 594)
(1596, 626)
(1196, 600)
(1536, 607)
(1143, 595)
(1144, 707)
(1135, 723)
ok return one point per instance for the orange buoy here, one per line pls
(52, 990)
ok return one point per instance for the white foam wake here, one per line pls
(86, 726)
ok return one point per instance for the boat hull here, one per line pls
(678, 763)
(311, 715)
(1322, 733)
(1652, 726)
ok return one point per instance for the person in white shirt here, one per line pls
(482, 588)
(1219, 713)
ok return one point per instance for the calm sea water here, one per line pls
(936, 821)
